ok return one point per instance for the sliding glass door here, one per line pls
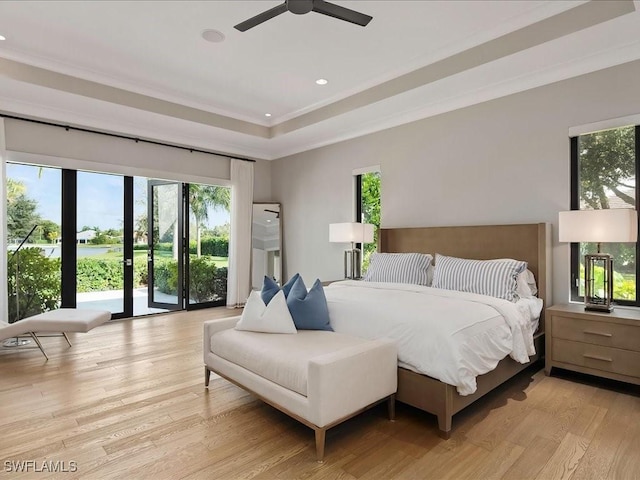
(166, 246)
(104, 243)
(132, 246)
(207, 231)
(188, 245)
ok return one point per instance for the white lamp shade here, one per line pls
(351, 232)
(606, 226)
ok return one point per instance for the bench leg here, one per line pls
(35, 339)
(320, 434)
(391, 406)
(67, 339)
(207, 374)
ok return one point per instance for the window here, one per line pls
(604, 167)
(86, 245)
(368, 208)
(34, 218)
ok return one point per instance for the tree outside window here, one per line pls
(605, 163)
(369, 210)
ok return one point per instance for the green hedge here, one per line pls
(99, 275)
(140, 273)
(96, 275)
(165, 275)
(39, 280)
(214, 246)
(207, 282)
(38, 283)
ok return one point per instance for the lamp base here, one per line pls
(16, 342)
(598, 291)
(598, 308)
(352, 262)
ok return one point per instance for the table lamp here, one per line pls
(617, 225)
(351, 233)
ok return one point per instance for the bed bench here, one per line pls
(320, 378)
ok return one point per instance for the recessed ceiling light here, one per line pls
(267, 114)
(322, 81)
(214, 36)
(2, 38)
(268, 220)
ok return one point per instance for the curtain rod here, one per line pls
(125, 137)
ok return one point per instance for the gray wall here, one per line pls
(503, 161)
(262, 181)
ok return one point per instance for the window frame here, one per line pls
(575, 205)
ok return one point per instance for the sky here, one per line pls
(100, 196)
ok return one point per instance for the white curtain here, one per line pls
(239, 274)
(4, 312)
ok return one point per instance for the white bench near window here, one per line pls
(63, 320)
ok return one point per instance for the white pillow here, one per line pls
(526, 281)
(413, 268)
(271, 318)
(486, 277)
(527, 287)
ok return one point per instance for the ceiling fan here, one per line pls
(300, 7)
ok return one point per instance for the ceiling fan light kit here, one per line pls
(300, 7)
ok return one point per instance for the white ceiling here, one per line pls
(154, 49)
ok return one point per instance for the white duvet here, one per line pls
(449, 335)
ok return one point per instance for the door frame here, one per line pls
(151, 303)
(68, 250)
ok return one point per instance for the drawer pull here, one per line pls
(589, 332)
(595, 357)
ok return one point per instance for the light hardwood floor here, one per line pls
(128, 401)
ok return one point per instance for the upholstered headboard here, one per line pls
(528, 242)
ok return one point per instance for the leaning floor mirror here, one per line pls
(266, 240)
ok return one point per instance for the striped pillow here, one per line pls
(486, 277)
(413, 268)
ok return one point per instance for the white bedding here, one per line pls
(449, 335)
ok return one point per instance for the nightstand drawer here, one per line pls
(623, 362)
(598, 333)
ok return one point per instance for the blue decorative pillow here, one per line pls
(286, 288)
(270, 288)
(309, 309)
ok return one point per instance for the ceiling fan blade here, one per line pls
(261, 17)
(342, 13)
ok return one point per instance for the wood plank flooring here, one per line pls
(128, 401)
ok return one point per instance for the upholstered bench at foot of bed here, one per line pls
(319, 378)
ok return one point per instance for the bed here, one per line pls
(526, 242)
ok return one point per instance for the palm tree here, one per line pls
(15, 188)
(201, 198)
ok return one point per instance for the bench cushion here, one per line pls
(282, 359)
(66, 320)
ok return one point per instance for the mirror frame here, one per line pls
(277, 260)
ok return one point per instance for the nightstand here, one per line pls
(601, 344)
